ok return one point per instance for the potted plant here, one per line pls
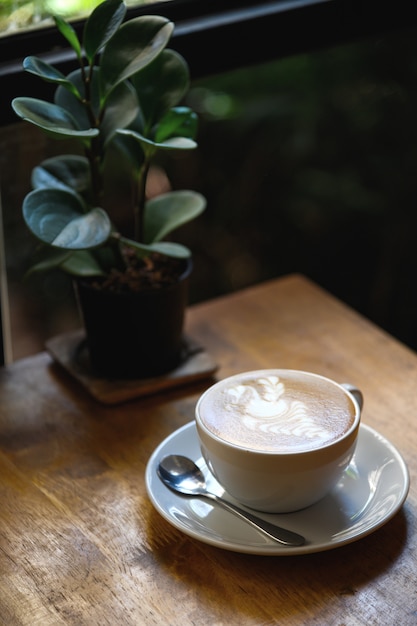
(122, 102)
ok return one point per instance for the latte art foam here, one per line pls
(274, 411)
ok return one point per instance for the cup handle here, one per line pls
(356, 393)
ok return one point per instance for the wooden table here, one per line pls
(80, 542)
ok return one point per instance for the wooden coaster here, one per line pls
(70, 351)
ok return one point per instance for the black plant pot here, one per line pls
(134, 335)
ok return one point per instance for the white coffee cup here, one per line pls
(278, 440)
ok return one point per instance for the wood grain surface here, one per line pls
(80, 542)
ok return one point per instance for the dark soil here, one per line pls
(153, 272)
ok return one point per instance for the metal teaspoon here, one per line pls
(181, 474)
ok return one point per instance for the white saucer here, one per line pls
(372, 490)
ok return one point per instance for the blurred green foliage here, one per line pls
(20, 14)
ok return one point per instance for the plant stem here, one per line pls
(140, 199)
(115, 242)
(92, 152)
(93, 155)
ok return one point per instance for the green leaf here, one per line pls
(167, 212)
(178, 122)
(168, 248)
(79, 263)
(102, 24)
(69, 33)
(136, 44)
(175, 143)
(70, 172)
(161, 85)
(47, 258)
(121, 109)
(49, 73)
(51, 118)
(82, 263)
(58, 218)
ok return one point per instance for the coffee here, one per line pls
(281, 411)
